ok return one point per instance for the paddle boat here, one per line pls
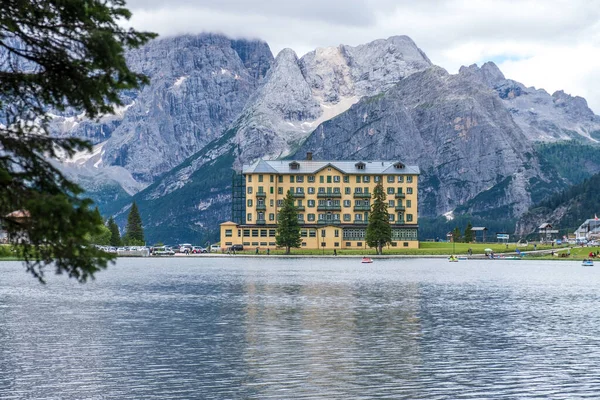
(367, 260)
(587, 263)
(453, 259)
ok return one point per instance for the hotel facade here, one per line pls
(333, 200)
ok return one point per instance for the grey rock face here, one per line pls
(454, 128)
(541, 116)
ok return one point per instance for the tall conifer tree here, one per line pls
(288, 227)
(134, 233)
(115, 235)
(379, 231)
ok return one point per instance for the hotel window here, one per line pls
(271, 217)
(336, 190)
(409, 217)
(279, 190)
(336, 244)
(300, 217)
(336, 179)
(322, 190)
(263, 233)
(260, 202)
(260, 178)
(271, 202)
(400, 190)
(272, 178)
(271, 190)
(408, 203)
(323, 232)
(357, 190)
(328, 178)
(249, 178)
(246, 232)
(249, 217)
(291, 178)
(239, 233)
(348, 244)
(303, 233)
(358, 217)
(279, 203)
(391, 203)
(311, 217)
(228, 233)
(357, 178)
(347, 203)
(249, 189)
(400, 179)
(346, 179)
(280, 178)
(336, 233)
(312, 233)
(391, 216)
(261, 189)
(299, 203)
(357, 203)
(322, 203)
(254, 232)
(376, 179)
(299, 190)
(300, 179)
(261, 216)
(409, 191)
(390, 178)
(311, 203)
(347, 217)
(390, 190)
(311, 178)
(347, 190)
(322, 179)
(366, 202)
(272, 232)
(409, 179)
(249, 202)
(366, 179)
(311, 190)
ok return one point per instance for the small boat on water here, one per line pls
(367, 260)
(587, 263)
(453, 259)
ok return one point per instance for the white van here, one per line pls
(215, 248)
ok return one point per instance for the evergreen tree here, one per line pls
(56, 55)
(115, 236)
(379, 231)
(456, 235)
(468, 233)
(288, 227)
(134, 232)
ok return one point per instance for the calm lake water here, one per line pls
(242, 328)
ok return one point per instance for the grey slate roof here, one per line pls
(311, 167)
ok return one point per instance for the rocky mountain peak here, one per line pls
(489, 74)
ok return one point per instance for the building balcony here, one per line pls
(329, 195)
(298, 195)
(299, 208)
(362, 208)
(261, 194)
(329, 208)
(399, 195)
(261, 222)
(400, 208)
(329, 222)
(362, 195)
(261, 207)
(360, 222)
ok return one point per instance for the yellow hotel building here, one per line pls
(333, 199)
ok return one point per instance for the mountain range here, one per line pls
(215, 103)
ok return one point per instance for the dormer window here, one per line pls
(294, 165)
(360, 165)
(398, 165)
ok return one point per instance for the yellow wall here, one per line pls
(276, 190)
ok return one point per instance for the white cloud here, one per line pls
(552, 44)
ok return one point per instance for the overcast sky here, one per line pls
(550, 44)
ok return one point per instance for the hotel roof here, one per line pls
(346, 167)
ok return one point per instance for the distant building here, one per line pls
(333, 199)
(547, 232)
(479, 233)
(589, 230)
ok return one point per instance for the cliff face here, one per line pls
(454, 128)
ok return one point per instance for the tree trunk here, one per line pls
(287, 250)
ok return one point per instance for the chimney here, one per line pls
(309, 156)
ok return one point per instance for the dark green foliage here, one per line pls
(437, 228)
(456, 237)
(134, 232)
(379, 231)
(468, 233)
(572, 162)
(55, 55)
(288, 228)
(115, 236)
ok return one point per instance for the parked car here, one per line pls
(185, 248)
(215, 248)
(237, 247)
(198, 250)
(163, 251)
